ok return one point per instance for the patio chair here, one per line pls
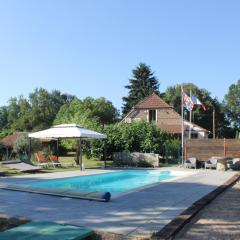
(211, 163)
(54, 161)
(233, 164)
(190, 163)
(41, 160)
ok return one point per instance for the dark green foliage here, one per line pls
(144, 164)
(88, 112)
(35, 113)
(47, 153)
(21, 145)
(232, 105)
(141, 85)
(3, 117)
(200, 117)
(134, 137)
(172, 149)
(1, 151)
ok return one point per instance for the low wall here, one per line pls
(131, 159)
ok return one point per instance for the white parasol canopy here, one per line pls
(67, 131)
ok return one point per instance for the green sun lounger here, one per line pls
(44, 230)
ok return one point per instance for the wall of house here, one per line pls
(167, 116)
(137, 115)
(164, 116)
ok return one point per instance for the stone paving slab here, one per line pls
(136, 214)
(220, 220)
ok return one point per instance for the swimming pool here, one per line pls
(114, 182)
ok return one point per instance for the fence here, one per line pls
(203, 149)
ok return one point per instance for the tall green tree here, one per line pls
(232, 105)
(88, 112)
(3, 117)
(142, 84)
(35, 113)
(45, 105)
(199, 116)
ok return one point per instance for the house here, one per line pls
(154, 109)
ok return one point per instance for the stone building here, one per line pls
(154, 109)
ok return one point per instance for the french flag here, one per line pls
(196, 101)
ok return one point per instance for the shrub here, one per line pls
(47, 153)
(144, 164)
(21, 145)
(1, 151)
(172, 149)
(132, 137)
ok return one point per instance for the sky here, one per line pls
(89, 48)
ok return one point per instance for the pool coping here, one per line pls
(170, 230)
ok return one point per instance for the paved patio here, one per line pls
(136, 214)
(219, 220)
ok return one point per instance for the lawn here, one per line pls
(69, 159)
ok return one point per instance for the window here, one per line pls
(152, 116)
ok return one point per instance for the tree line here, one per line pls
(42, 108)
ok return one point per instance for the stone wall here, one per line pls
(133, 159)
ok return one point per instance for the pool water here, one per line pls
(114, 182)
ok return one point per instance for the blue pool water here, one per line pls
(115, 182)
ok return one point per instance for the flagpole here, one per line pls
(182, 124)
(190, 119)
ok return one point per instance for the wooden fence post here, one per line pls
(225, 147)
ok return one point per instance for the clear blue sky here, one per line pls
(88, 48)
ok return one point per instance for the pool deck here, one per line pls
(139, 213)
(219, 220)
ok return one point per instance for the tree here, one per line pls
(141, 85)
(45, 106)
(88, 112)
(3, 117)
(35, 113)
(200, 117)
(232, 105)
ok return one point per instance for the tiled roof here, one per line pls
(9, 140)
(153, 101)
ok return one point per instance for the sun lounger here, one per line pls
(22, 167)
(190, 163)
(54, 161)
(211, 163)
(42, 162)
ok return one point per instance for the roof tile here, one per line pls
(153, 101)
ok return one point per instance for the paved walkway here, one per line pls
(219, 220)
(139, 213)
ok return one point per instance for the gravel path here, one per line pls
(219, 220)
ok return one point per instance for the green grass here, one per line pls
(8, 172)
(69, 159)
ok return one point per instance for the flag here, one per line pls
(187, 102)
(196, 101)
